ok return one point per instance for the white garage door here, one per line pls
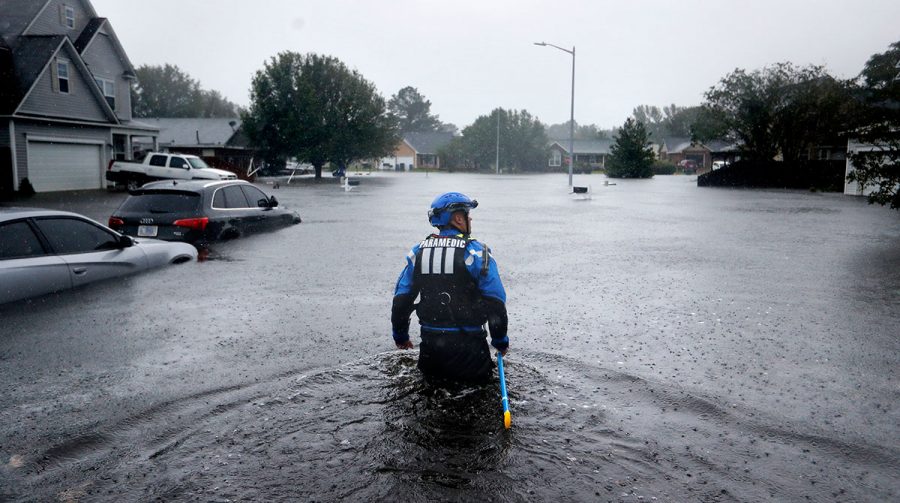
(64, 166)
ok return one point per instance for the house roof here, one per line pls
(29, 58)
(427, 143)
(585, 147)
(720, 146)
(88, 33)
(675, 144)
(17, 15)
(197, 132)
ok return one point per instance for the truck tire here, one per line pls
(133, 183)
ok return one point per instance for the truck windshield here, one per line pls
(197, 163)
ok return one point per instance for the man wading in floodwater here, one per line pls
(460, 291)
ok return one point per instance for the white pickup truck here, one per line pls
(160, 166)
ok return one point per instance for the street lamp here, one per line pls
(572, 112)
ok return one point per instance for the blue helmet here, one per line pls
(444, 205)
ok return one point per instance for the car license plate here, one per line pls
(147, 231)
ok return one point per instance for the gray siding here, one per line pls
(23, 129)
(103, 60)
(50, 21)
(80, 103)
(4, 133)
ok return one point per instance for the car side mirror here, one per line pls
(125, 241)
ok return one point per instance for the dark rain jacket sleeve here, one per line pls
(493, 295)
(405, 294)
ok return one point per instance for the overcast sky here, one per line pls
(468, 57)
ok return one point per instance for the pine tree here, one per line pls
(629, 155)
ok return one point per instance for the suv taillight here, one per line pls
(198, 224)
(109, 166)
(115, 222)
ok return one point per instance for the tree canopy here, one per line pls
(314, 108)
(167, 91)
(523, 143)
(878, 167)
(582, 131)
(629, 156)
(781, 109)
(670, 120)
(413, 111)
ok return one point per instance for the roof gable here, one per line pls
(30, 69)
(427, 143)
(89, 34)
(29, 59)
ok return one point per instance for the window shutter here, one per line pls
(54, 75)
(62, 14)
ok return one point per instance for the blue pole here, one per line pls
(507, 418)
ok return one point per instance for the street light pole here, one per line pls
(572, 110)
(498, 141)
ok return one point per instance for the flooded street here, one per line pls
(667, 343)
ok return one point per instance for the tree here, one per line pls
(782, 109)
(629, 156)
(582, 132)
(652, 119)
(878, 169)
(314, 108)
(167, 91)
(413, 111)
(523, 143)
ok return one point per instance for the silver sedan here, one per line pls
(44, 251)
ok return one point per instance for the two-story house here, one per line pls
(65, 96)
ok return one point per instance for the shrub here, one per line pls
(664, 168)
(25, 188)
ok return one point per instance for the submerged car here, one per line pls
(198, 211)
(45, 251)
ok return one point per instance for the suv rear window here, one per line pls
(162, 202)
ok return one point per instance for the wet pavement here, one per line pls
(668, 343)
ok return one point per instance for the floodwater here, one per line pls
(668, 343)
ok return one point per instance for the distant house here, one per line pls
(417, 150)
(677, 149)
(65, 96)
(219, 138)
(589, 154)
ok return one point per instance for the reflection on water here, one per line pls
(375, 430)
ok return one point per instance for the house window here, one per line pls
(108, 88)
(69, 16)
(556, 158)
(62, 76)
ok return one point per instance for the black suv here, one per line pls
(199, 211)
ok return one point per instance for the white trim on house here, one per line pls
(15, 163)
(62, 139)
(118, 128)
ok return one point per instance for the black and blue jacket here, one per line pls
(460, 289)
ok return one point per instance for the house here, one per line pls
(677, 149)
(589, 154)
(417, 150)
(65, 96)
(211, 138)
